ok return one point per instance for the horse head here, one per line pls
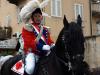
(70, 40)
(74, 45)
(73, 38)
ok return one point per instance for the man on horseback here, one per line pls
(36, 37)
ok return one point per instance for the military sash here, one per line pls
(39, 33)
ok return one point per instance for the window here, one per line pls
(78, 10)
(56, 8)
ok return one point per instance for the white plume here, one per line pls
(30, 7)
(44, 3)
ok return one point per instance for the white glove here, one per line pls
(46, 47)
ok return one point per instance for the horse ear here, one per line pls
(65, 22)
(79, 20)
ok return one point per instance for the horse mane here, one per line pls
(59, 45)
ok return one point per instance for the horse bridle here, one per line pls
(66, 53)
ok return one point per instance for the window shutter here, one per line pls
(53, 8)
(58, 7)
(81, 10)
(78, 10)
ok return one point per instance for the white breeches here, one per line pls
(30, 62)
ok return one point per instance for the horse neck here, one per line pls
(59, 45)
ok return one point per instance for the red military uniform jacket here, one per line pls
(29, 37)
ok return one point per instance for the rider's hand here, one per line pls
(46, 47)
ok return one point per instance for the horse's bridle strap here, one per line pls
(76, 56)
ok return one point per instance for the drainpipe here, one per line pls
(90, 6)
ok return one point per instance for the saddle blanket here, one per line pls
(18, 67)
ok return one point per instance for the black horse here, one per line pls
(70, 48)
(66, 58)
